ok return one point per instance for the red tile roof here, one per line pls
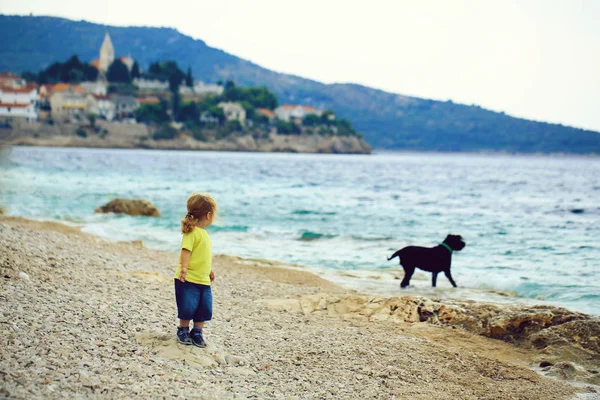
(61, 87)
(95, 63)
(266, 112)
(8, 74)
(148, 100)
(17, 90)
(9, 77)
(293, 106)
(15, 105)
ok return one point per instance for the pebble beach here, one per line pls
(84, 317)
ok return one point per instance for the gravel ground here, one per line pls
(93, 318)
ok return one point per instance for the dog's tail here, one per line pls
(396, 254)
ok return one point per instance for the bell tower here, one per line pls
(107, 54)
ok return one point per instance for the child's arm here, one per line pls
(212, 275)
(184, 258)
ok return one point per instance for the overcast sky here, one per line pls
(537, 59)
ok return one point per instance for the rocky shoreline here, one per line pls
(82, 317)
(138, 136)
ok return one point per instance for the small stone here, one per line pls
(24, 276)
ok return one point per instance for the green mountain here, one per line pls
(388, 120)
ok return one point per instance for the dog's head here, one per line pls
(455, 242)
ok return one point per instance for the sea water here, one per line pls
(531, 223)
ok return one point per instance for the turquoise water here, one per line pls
(530, 222)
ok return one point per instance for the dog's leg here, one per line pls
(408, 273)
(434, 278)
(449, 276)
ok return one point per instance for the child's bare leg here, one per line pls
(198, 324)
(184, 323)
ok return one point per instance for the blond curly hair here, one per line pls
(198, 205)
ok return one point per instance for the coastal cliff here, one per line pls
(122, 135)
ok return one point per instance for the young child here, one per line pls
(194, 273)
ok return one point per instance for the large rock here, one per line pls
(130, 207)
(246, 143)
(583, 333)
(558, 334)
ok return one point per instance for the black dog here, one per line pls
(432, 259)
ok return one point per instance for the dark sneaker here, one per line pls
(183, 336)
(197, 339)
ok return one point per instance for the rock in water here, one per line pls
(130, 206)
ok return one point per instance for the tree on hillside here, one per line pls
(29, 76)
(188, 112)
(154, 69)
(176, 103)
(135, 70)
(287, 128)
(72, 71)
(174, 82)
(167, 71)
(118, 72)
(311, 120)
(189, 80)
(151, 113)
(249, 108)
(217, 112)
(344, 128)
(258, 97)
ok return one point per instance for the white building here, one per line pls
(102, 106)
(150, 84)
(22, 103)
(69, 103)
(233, 111)
(26, 111)
(208, 88)
(288, 112)
(19, 96)
(185, 90)
(97, 88)
(10, 80)
(124, 107)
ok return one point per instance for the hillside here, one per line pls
(388, 120)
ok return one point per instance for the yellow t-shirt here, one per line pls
(200, 263)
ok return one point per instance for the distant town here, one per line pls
(115, 90)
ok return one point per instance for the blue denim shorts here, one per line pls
(194, 301)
